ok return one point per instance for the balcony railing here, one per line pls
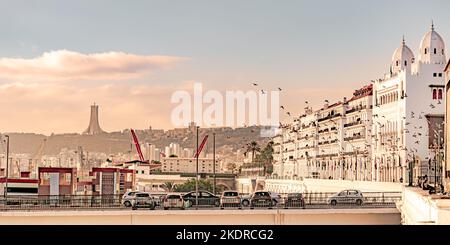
(355, 137)
(352, 124)
(329, 117)
(357, 108)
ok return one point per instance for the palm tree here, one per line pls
(266, 157)
(168, 186)
(252, 147)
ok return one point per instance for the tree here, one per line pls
(266, 158)
(252, 147)
(203, 185)
(168, 186)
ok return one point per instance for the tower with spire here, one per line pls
(94, 125)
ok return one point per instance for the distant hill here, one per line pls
(117, 142)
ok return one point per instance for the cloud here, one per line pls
(65, 65)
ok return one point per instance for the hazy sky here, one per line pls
(58, 57)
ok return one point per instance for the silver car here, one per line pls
(127, 197)
(143, 200)
(346, 197)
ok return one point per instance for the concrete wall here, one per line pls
(205, 217)
(325, 185)
(418, 208)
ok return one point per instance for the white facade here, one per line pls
(376, 136)
(333, 142)
(446, 174)
(408, 112)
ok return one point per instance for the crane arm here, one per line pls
(136, 144)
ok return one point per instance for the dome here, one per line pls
(402, 58)
(432, 48)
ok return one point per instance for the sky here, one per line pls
(129, 57)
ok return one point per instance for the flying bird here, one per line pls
(262, 91)
(279, 89)
(432, 106)
(326, 101)
(288, 113)
(282, 107)
(255, 84)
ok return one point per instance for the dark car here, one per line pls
(262, 199)
(205, 198)
(294, 200)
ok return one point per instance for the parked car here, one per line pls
(294, 200)
(277, 199)
(262, 199)
(173, 200)
(346, 197)
(143, 200)
(205, 198)
(127, 197)
(230, 199)
(245, 200)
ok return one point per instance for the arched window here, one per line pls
(412, 61)
(435, 51)
(396, 63)
(440, 94)
(406, 63)
(442, 51)
(434, 94)
(426, 51)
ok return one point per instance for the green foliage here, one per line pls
(265, 158)
(156, 171)
(203, 184)
(252, 147)
(169, 186)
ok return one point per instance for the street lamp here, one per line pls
(196, 171)
(410, 166)
(7, 167)
(438, 155)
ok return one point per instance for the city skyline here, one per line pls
(130, 66)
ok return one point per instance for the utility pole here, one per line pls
(196, 174)
(7, 166)
(411, 170)
(356, 164)
(214, 163)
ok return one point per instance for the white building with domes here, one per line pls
(408, 113)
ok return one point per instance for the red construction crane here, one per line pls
(138, 147)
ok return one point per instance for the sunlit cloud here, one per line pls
(65, 65)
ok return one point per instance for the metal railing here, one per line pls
(61, 202)
(307, 200)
